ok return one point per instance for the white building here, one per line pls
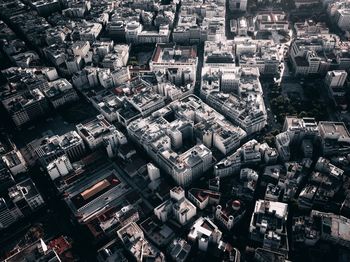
(178, 207)
(268, 225)
(60, 92)
(113, 141)
(166, 130)
(237, 95)
(15, 162)
(25, 194)
(336, 78)
(153, 172)
(272, 21)
(282, 141)
(178, 62)
(94, 131)
(203, 232)
(59, 167)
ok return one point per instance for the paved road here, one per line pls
(200, 54)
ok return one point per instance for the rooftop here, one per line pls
(169, 53)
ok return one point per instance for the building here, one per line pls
(335, 228)
(116, 58)
(282, 141)
(229, 215)
(219, 53)
(326, 167)
(268, 225)
(245, 188)
(157, 232)
(335, 138)
(299, 129)
(72, 145)
(318, 226)
(334, 82)
(272, 21)
(172, 127)
(113, 219)
(94, 131)
(23, 108)
(15, 162)
(130, 233)
(313, 54)
(199, 22)
(306, 3)
(111, 251)
(179, 250)
(131, 99)
(179, 63)
(45, 8)
(203, 232)
(153, 172)
(336, 78)
(134, 241)
(26, 197)
(214, 184)
(310, 27)
(49, 148)
(203, 197)
(178, 207)
(88, 199)
(57, 249)
(59, 167)
(236, 93)
(135, 34)
(342, 18)
(60, 92)
(8, 215)
(229, 165)
(238, 5)
(273, 192)
(262, 54)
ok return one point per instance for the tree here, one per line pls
(302, 114)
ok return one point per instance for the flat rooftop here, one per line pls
(168, 53)
(98, 191)
(95, 191)
(329, 128)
